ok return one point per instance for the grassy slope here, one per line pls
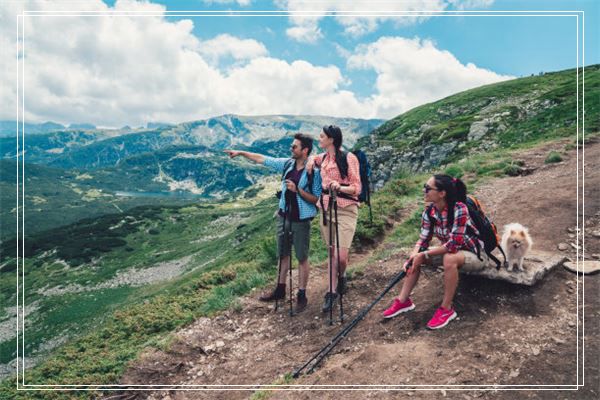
(527, 110)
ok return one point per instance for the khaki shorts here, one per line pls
(472, 263)
(347, 217)
(300, 238)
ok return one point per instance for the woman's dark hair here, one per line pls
(306, 142)
(455, 190)
(335, 133)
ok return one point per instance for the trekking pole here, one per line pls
(337, 248)
(321, 354)
(278, 275)
(290, 237)
(330, 210)
(279, 256)
(369, 204)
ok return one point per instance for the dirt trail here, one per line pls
(505, 334)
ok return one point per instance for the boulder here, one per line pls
(586, 267)
(536, 265)
(563, 246)
(478, 129)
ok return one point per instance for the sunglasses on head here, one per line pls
(427, 188)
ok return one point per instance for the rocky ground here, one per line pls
(506, 334)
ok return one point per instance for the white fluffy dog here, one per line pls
(516, 242)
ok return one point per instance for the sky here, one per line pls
(127, 62)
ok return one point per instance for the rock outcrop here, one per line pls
(536, 266)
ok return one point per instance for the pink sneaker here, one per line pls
(441, 317)
(398, 308)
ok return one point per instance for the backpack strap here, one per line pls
(494, 258)
(477, 245)
(286, 167)
(310, 179)
(503, 255)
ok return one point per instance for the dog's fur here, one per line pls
(516, 242)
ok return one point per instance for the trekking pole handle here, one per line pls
(332, 193)
(409, 263)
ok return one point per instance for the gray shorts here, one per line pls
(300, 238)
(472, 263)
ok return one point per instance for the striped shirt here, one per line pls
(306, 209)
(455, 239)
(330, 172)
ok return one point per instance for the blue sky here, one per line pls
(197, 67)
(514, 45)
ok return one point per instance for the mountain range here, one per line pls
(75, 173)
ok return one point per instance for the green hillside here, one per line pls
(502, 115)
(55, 197)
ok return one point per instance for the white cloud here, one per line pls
(411, 72)
(470, 4)
(112, 71)
(291, 88)
(307, 33)
(226, 45)
(240, 2)
(305, 18)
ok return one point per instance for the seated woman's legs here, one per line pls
(409, 283)
(452, 262)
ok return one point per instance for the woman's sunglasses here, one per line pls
(427, 188)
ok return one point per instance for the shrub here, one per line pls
(512, 170)
(268, 248)
(215, 278)
(454, 170)
(553, 157)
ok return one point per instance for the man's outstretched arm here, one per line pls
(257, 158)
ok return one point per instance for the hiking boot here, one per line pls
(398, 308)
(342, 285)
(277, 294)
(301, 303)
(330, 301)
(441, 318)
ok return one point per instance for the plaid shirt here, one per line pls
(455, 239)
(330, 172)
(306, 209)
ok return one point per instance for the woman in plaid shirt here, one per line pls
(459, 246)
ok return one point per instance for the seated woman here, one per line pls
(461, 247)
